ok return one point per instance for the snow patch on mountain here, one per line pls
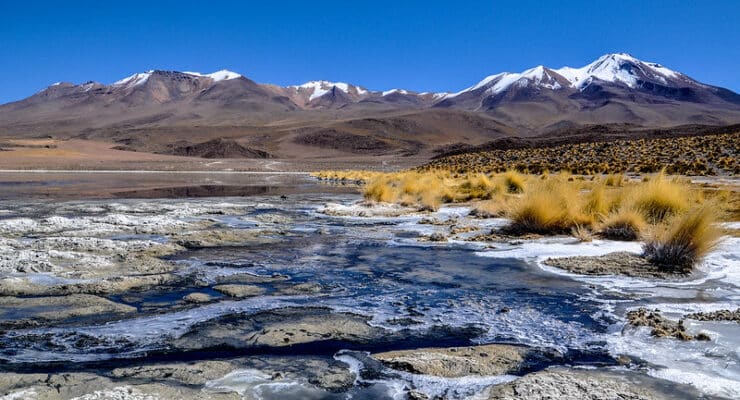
(608, 68)
(538, 76)
(320, 88)
(134, 80)
(401, 91)
(222, 75)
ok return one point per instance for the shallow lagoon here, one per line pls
(320, 254)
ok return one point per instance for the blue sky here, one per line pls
(418, 45)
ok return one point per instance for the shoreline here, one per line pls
(144, 171)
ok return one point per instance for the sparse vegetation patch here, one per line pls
(688, 155)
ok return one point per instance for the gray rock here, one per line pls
(250, 278)
(662, 326)
(240, 291)
(197, 298)
(619, 263)
(302, 288)
(86, 386)
(453, 362)
(181, 373)
(107, 285)
(325, 373)
(40, 310)
(571, 384)
(279, 328)
(719, 315)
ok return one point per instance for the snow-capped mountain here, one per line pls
(616, 69)
(625, 69)
(611, 75)
(325, 93)
(613, 89)
(612, 78)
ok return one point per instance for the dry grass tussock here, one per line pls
(661, 197)
(680, 244)
(658, 206)
(624, 224)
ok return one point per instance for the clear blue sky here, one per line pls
(418, 45)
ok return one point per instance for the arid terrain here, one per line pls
(225, 115)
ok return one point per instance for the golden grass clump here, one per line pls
(513, 181)
(427, 191)
(562, 203)
(492, 208)
(477, 186)
(616, 180)
(357, 176)
(623, 225)
(679, 245)
(597, 202)
(581, 233)
(379, 190)
(661, 197)
(552, 207)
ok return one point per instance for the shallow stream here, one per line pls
(321, 253)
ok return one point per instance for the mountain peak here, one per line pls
(616, 68)
(619, 56)
(319, 88)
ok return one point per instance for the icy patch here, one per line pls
(707, 383)
(541, 249)
(255, 384)
(90, 225)
(731, 225)
(398, 382)
(239, 381)
(147, 333)
(723, 263)
(24, 394)
(713, 367)
(363, 209)
(117, 393)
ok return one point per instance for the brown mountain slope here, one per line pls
(159, 111)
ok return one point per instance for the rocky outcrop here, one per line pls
(569, 384)
(662, 326)
(619, 263)
(45, 310)
(719, 315)
(240, 291)
(215, 237)
(493, 359)
(182, 380)
(218, 148)
(278, 328)
(197, 298)
(178, 373)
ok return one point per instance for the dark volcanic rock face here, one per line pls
(219, 148)
(337, 140)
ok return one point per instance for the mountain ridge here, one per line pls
(607, 68)
(148, 111)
